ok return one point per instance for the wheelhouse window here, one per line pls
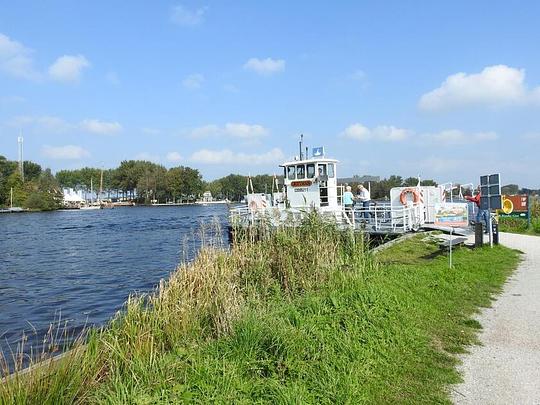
(322, 169)
(331, 170)
(300, 172)
(310, 170)
(291, 172)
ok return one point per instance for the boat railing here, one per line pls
(386, 218)
(378, 218)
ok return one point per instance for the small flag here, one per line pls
(318, 151)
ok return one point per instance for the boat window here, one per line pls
(322, 169)
(300, 172)
(330, 170)
(311, 170)
(290, 173)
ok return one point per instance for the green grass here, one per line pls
(518, 225)
(308, 316)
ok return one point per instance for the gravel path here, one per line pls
(506, 368)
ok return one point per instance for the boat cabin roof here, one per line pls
(306, 161)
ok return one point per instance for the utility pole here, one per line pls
(20, 141)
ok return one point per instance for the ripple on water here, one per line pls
(81, 266)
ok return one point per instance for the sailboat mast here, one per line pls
(101, 185)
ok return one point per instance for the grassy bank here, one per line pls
(518, 225)
(306, 316)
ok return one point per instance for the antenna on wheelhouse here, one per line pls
(300, 145)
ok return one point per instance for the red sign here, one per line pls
(301, 183)
(515, 203)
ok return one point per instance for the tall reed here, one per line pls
(200, 301)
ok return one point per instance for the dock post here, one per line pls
(478, 235)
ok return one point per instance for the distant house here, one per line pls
(207, 197)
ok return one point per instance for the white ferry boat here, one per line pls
(311, 184)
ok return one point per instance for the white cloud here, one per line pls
(183, 16)
(387, 133)
(456, 137)
(67, 152)
(245, 131)
(68, 68)
(174, 157)
(357, 132)
(493, 86)
(265, 67)
(233, 129)
(226, 156)
(100, 127)
(193, 81)
(205, 131)
(16, 60)
(51, 124)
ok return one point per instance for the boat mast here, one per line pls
(100, 185)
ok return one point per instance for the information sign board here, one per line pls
(515, 206)
(452, 214)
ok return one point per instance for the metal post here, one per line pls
(20, 141)
(490, 230)
(529, 210)
(450, 246)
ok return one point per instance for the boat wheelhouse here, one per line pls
(312, 183)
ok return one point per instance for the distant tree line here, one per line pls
(39, 190)
(515, 189)
(144, 181)
(381, 189)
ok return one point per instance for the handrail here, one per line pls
(383, 218)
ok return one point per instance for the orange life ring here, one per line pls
(413, 191)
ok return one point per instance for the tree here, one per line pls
(31, 170)
(184, 182)
(510, 189)
(234, 186)
(429, 182)
(410, 182)
(14, 182)
(152, 183)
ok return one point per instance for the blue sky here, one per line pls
(446, 91)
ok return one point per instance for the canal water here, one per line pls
(80, 266)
